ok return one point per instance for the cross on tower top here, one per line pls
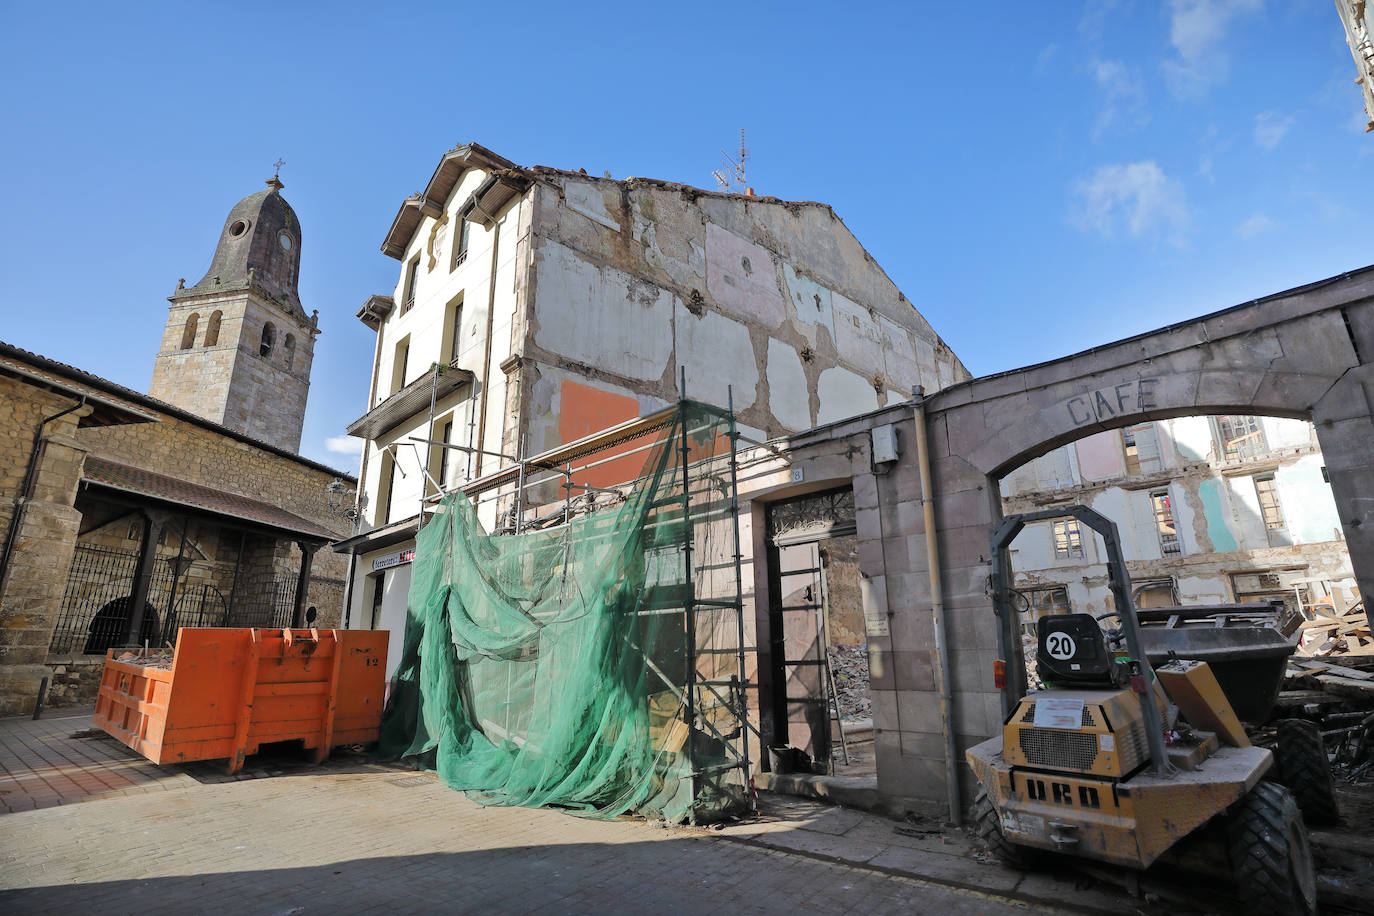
(277, 166)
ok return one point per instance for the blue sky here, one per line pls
(1038, 178)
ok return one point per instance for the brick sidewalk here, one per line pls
(60, 759)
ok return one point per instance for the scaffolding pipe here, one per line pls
(937, 611)
(743, 698)
(520, 486)
(690, 608)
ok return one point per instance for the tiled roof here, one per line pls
(52, 369)
(124, 478)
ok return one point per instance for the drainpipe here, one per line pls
(26, 491)
(937, 610)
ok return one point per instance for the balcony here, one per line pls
(410, 401)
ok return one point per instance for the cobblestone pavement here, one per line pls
(392, 841)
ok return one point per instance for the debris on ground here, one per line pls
(154, 658)
(1337, 693)
(1336, 633)
(850, 664)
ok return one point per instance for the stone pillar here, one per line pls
(1344, 419)
(38, 567)
(153, 524)
(303, 582)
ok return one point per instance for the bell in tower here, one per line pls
(238, 345)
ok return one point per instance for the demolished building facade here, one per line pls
(1212, 510)
(556, 304)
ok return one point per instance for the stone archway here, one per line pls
(1306, 353)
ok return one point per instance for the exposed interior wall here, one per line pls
(1215, 504)
(637, 280)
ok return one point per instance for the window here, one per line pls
(1140, 443)
(412, 278)
(439, 455)
(386, 487)
(1155, 593)
(1163, 510)
(1240, 437)
(1271, 511)
(399, 363)
(1042, 602)
(269, 341)
(460, 250)
(290, 349)
(212, 328)
(188, 333)
(1068, 539)
(453, 327)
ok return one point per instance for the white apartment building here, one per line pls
(1211, 510)
(534, 306)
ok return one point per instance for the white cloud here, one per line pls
(1137, 196)
(1124, 96)
(1092, 25)
(1047, 54)
(1196, 28)
(345, 445)
(1257, 224)
(1270, 128)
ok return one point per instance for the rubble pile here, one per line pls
(850, 664)
(1337, 694)
(155, 658)
(1336, 633)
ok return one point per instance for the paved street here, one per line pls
(93, 825)
(389, 841)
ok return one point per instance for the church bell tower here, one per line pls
(238, 346)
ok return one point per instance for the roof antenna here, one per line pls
(732, 179)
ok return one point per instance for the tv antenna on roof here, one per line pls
(731, 179)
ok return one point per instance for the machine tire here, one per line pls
(1271, 861)
(987, 827)
(1300, 758)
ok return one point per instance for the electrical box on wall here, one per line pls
(885, 444)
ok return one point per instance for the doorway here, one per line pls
(817, 650)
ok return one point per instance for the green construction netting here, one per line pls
(552, 667)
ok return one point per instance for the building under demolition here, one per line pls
(1212, 510)
(867, 468)
(537, 306)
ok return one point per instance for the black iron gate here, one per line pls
(268, 608)
(95, 605)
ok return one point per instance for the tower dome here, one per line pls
(259, 247)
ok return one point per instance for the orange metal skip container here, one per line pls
(230, 690)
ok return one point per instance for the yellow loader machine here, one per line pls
(1117, 762)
